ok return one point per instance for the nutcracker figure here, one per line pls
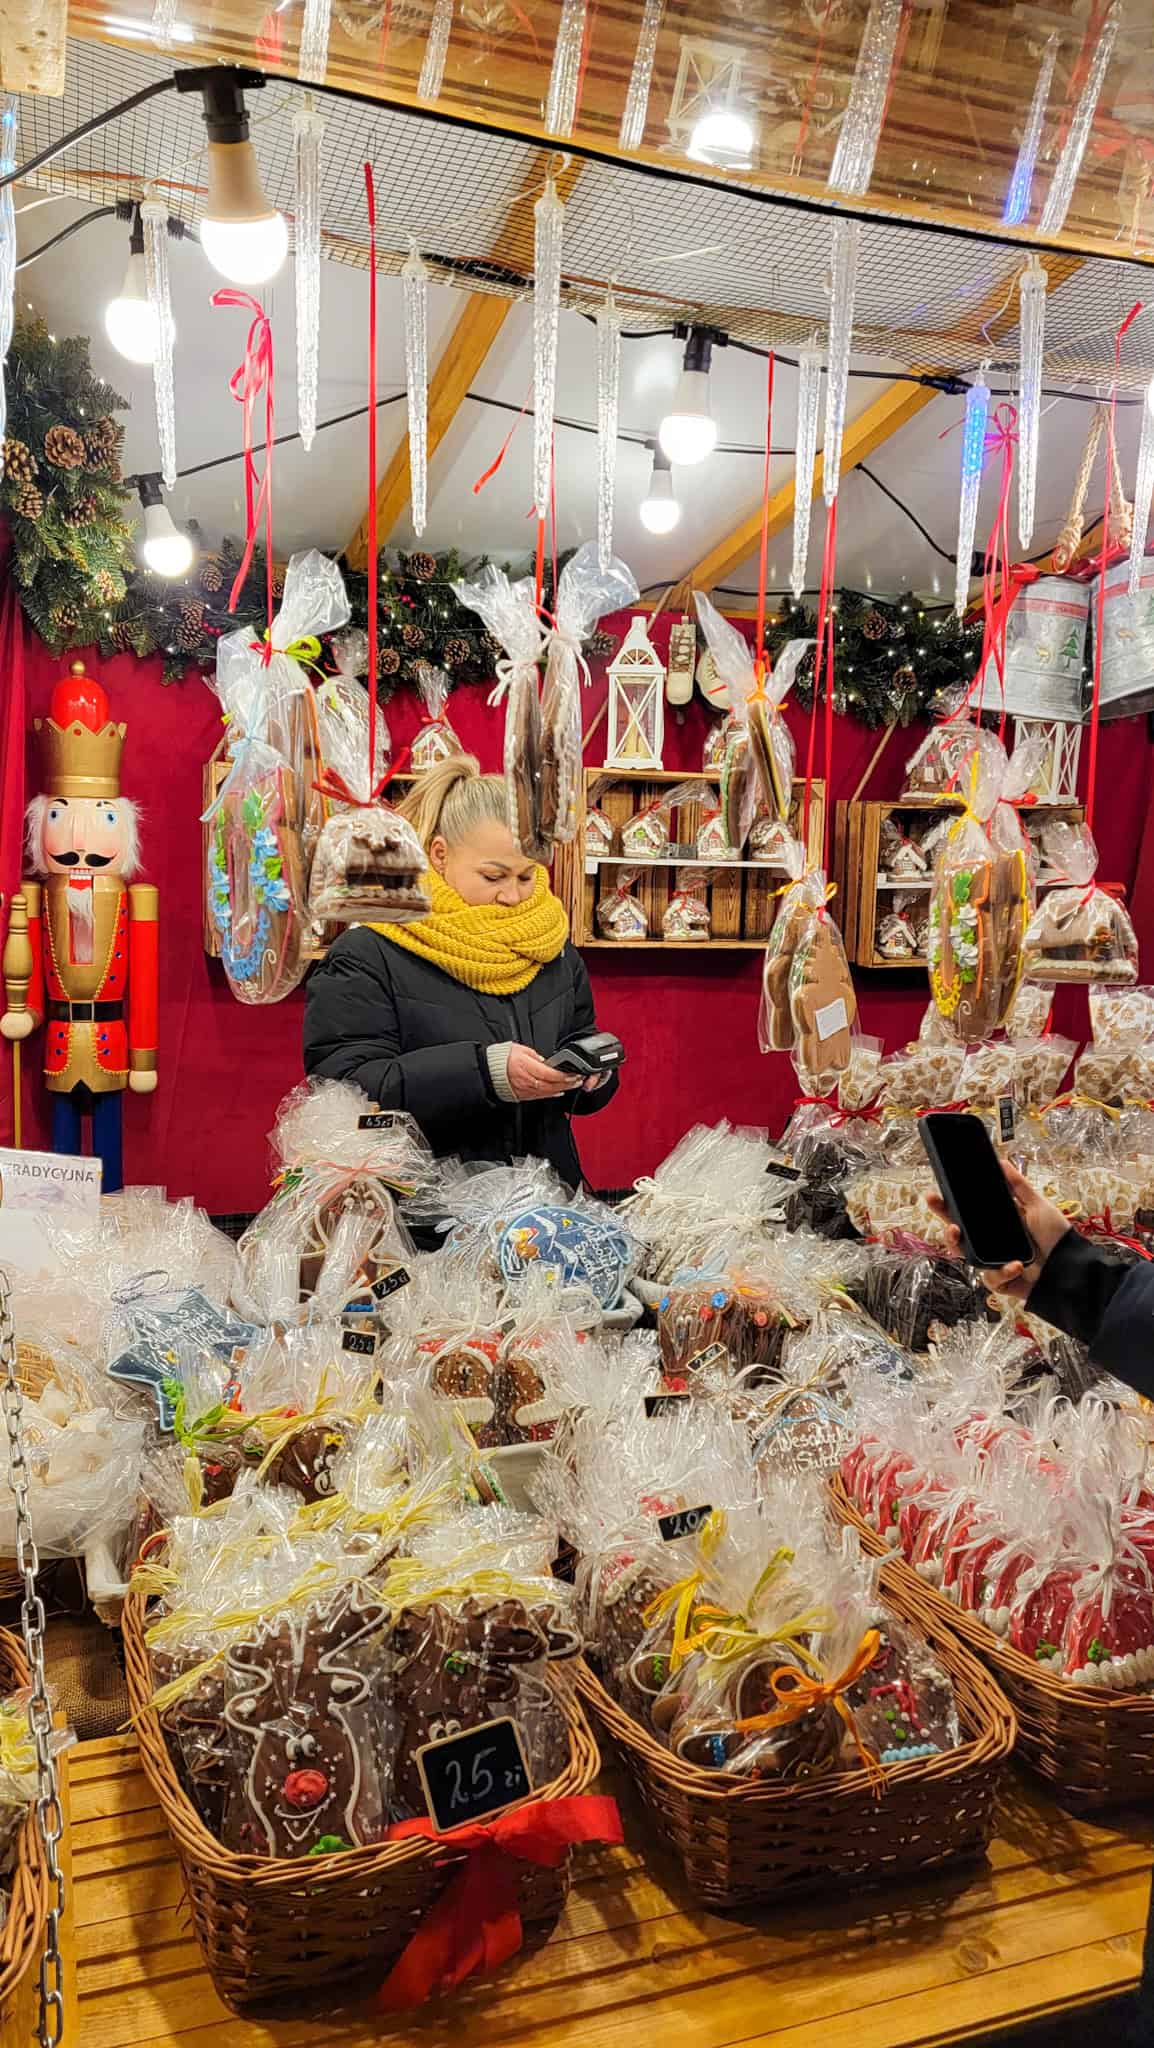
(88, 969)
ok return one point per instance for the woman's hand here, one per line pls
(1044, 1221)
(532, 1079)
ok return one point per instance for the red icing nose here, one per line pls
(305, 1788)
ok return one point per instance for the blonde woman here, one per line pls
(453, 1018)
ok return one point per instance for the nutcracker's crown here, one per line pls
(81, 744)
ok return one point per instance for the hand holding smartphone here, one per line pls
(969, 1173)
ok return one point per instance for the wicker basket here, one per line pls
(273, 1929)
(1093, 1750)
(738, 1843)
(22, 1935)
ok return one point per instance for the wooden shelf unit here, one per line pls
(862, 892)
(742, 902)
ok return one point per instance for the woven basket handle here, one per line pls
(1120, 517)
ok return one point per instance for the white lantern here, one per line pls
(636, 702)
(1057, 779)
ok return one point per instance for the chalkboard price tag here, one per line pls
(685, 1522)
(782, 1172)
(467, 1776)
(362, 1341)
(390, 1283)
(663, 1404)
(379, 1120)
(1006, 1118)
(713, 1354)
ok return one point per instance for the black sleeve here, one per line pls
(1106, 1305)
(586, 1101)
(353, 1033)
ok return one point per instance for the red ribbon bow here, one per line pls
(475, 1924)
(254, 376)
(332, 783)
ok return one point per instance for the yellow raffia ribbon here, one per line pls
(306, 650)
(17, 1750)
(797, 1693)
(320, 1579)
(725, 1637)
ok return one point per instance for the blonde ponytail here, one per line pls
(452, 798)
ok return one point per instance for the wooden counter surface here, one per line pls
(1053, 1922)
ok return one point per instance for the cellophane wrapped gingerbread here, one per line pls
(1118, 1067)
(1078, 932)
(331, 1230)
(519, 1222)
(759, 759)
(264, 822)
(980, 901)
(342, 703)
(435, 739)
(711, 1194)
(686, 917)
(621, 915)
(822, 1001)
(368, 867)
(509, 612)
(586, 589)
(731, 1320)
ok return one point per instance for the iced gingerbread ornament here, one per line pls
(82, 951)
(454, 1667)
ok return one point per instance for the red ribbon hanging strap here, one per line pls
(475, 1925)
(1100, 603)
(371, 538)
(254, 376)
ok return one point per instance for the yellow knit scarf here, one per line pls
(494, 947)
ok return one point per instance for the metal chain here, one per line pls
(48, 1810)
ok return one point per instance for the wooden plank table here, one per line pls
(1052, 1923)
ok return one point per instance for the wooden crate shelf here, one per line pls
(742, 901)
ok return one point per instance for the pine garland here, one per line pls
(891, 661)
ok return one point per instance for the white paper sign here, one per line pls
(831, 1017)
(49, 1180)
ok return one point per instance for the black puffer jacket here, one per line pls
(414, 1038)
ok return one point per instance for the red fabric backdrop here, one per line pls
(689, 1023)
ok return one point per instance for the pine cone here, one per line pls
(66, 617)
(192, 612)
(63, 447)
(413, 637)
(212, 576)
(102, 445)
(602, 644)
(188, 636)
(905, 678)
(422, 567)
(491, 646)
(875, 624)
(388, 661)
(123, 638)
(109, 588)
(19, 462)
(278, 582)
(81, 513)
(28, 503)
(456, 652)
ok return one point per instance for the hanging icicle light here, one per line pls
(845, 246)
(1143, 491)
(163, 23)
(313, 55)
(861, 127)
(1022, 182)
(561, 105)
(1069, 164)
(7, 249)
(415, 279)
(608, 388)
(548, 235)
(805, 454)
(1032, 305)
(635, 112)
(308, 129)
(436, 50)
(154, 218)
(973, 456)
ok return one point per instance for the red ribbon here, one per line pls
(254, 376)
(475, 1924)
(1100, 605)
(824, 662)
(332, 783)
(503, 450)
(371, 547)
(763, 556)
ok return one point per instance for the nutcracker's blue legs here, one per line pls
(68, 1112)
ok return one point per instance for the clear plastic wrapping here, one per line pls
(435, 740)
(980, 900)
(342, 703)
(759, 758)
(822, 1001)
(1078, 932)
(368, 866)
(686, 917)
(621, 915)
(509, 612)
(585, 591)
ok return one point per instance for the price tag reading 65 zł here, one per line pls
(468, 1776)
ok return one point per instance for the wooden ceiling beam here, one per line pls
(33, 34)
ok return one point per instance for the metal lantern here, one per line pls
(1127, 641)
(682, 661)
(1045, 652)
(1057, 779)
(636, 702)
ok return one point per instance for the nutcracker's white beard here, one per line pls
(80, 921)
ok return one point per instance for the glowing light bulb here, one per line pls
(659, 510)
(130, 322)
(165, 549)
(723, 137)
(688, 432)
(246, 251)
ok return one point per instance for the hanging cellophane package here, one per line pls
(759, 758)
(775, 1017)
(509, 612)
(1007, 832)
(980, 902)
(585, 591)
(621, 915)
(435, 739)
(369, 867)
(822, 1002)
(264, 822)
(331, 1230)
(342, 703)
(686, 918)
(1078, 932)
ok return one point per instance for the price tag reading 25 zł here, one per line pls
(468, 1776)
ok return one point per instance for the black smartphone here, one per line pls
(598, 1053)
(969, 1173)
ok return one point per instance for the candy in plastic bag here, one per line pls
(980, 901)
(822, 1002)
(509, 612)
(342, 703)
(686, 919)
(621, 915)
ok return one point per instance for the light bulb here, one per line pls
(243, 237)
(723, 137)
(245, 249)
(659, 510)
(165, 549)
(688, 433)
(129, 320)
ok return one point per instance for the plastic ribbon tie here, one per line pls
(475, 1925)
(306, 650)
(17, 1751)
(724, 1637)
(254, 376)
(797, 1694)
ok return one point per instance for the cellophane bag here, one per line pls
(368, 867)
(924, 1076)
(686, 918)
(732, 1320)
(1118, 1067)
(1078, 932)
(759, 760)
(585, 591)
(520, 1221)
(861, 1081)
(1039, 1067)
(775, 1026)
(1029, 1014)
(342, 703)
(980, 899)
(435, 739)
(621, 915)
(715, 1187)
(822, 1001)
(509, 612)
(265, 819)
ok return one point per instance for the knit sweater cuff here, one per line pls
(497, 1060)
